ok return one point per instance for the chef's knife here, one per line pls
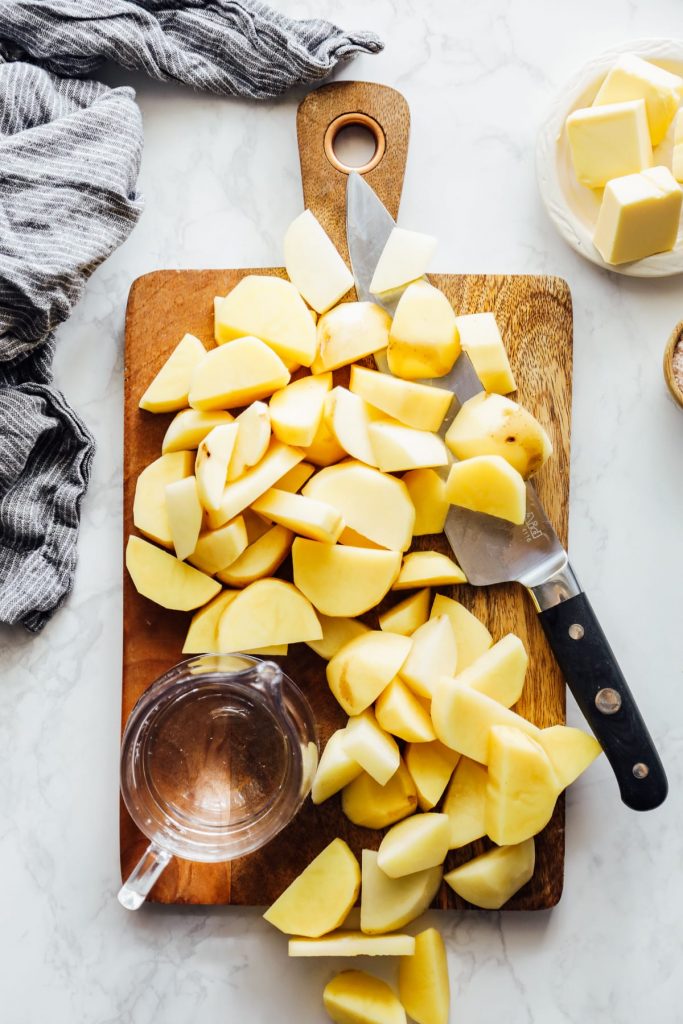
(491, 550)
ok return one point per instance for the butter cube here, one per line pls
(639, 216)
(677, 158)
(633, 78)
(480, 338)
(609, 141)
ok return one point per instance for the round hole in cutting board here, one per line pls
(354, 142)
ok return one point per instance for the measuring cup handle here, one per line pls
(137, 886)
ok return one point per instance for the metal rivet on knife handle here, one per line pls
(608, 701)
(576, 631)
(640, 770)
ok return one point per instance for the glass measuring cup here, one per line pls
(217, 757)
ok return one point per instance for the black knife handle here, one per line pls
(598, 685)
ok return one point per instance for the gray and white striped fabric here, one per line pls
(69, 159)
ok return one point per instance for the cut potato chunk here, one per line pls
(500, 671)
(253, 438)
(416, 405)
(211, 467)
(295, 478)
(325, 449)
(185, 515)
(495, 425)
(166, 580)
(463, 718)
(366, 803)
(522, 786)
(480, 339)
(427, 492)
(354, 997)
(255, 525)
(336, 633)
(336, 768)
(318, 900)
(472, 637)
(423, 341)
(150, 514)
(399, 712)
(313, 264)
(270, 309)
(406, 616)
(349, 417)
(190, 426)
(570, 750)
(296, 412)
(279, 650)
(343, 943)
(343, 581)
(256, 481)
(405, 257)
(202, 636)
(414, 844)
(397, 448)
(373, 504)
(489, 484)
(217, 549)
(358, 672)
(428, 569)
(371, 747)
(423, 984)
(267, 612)
(432, 651)
(260, 559)
(305, 516)
(387, 904)
(237, 374)
(465, 803)
(349, 332)
(431, 766)
(170, 388)
(490, 880)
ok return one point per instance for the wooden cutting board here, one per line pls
(535, 317)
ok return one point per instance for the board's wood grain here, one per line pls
(535, 317)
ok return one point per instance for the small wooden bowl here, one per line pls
(674, 384)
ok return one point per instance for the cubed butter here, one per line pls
(677, 159)
(609, 141)
(633, 78)
(639, 216)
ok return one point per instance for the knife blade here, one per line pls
(491, 550)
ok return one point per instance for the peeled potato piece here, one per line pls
(336, 768)
(488, 484)
(267, 612)
(400, 713)
(424, 340)
(494, 425)
(371, 747)
(433, 653)
(500, 671)
(190, 426)
(349, 418)
(324, 450)
(472, 637)
(259, 478)
(480, 338)
(313, 264)
(170, 388)
(405, 257)
(343, 943)
(260, 559)
(185, 515)
(397, 448)
(463, 718)
(359, 672)
(349, 332)
(354, 997)
(427, 492)
(166, 580)
(336, 633)
(305, 516)
(490, 880)
(211, 468)
(415, 405)
(318, 899)
(252, 439)
(296, 412)
(387, 904)
(375, 505)
(522, 786)
(570, 750)
(295, 478)
(270, 309)
(465, 803)
(431, 767)
(215, 550)
(365, 802)
(423, 984)
(428, 569)
(406, 616)
(414, 844)
(202, 636)
(340, 580)
(150, 513)
(236, 374)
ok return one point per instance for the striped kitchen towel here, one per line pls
(69, 159)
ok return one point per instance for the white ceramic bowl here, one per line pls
(572, 207)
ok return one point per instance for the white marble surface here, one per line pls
(221, 181)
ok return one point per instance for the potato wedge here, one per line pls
(349, 332)
(185, 514)
(428, 569)
(336, 768)
(340, 580)
(387, 904)
(400, 713)
(202, 636)
(414, 844)
(494, 425)
(359, 672)
(371, 747)
(522, 786)
(296, 412)
(433, 654)
(236, 374)
(480, 338)
(267, 612)
(406, 616)
(365, 802)
(491, 879)
(336, 633)
(243, 492)
(415, 405)
(427, 492)
(423, 341)
(150, 512)
(166, 580)
(488, 484)
(270, 309)
(465, 803)
(423, 984)
(170, 388)
(252, 439)
(354, 997)
(260, 559)
(313, 264)
(318, 899)
(304, 516)
(215, 550)
(499, 672)
(431, 767)
(472, 637)
(463, 718)
(190, 426)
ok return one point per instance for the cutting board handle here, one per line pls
(321, 115)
